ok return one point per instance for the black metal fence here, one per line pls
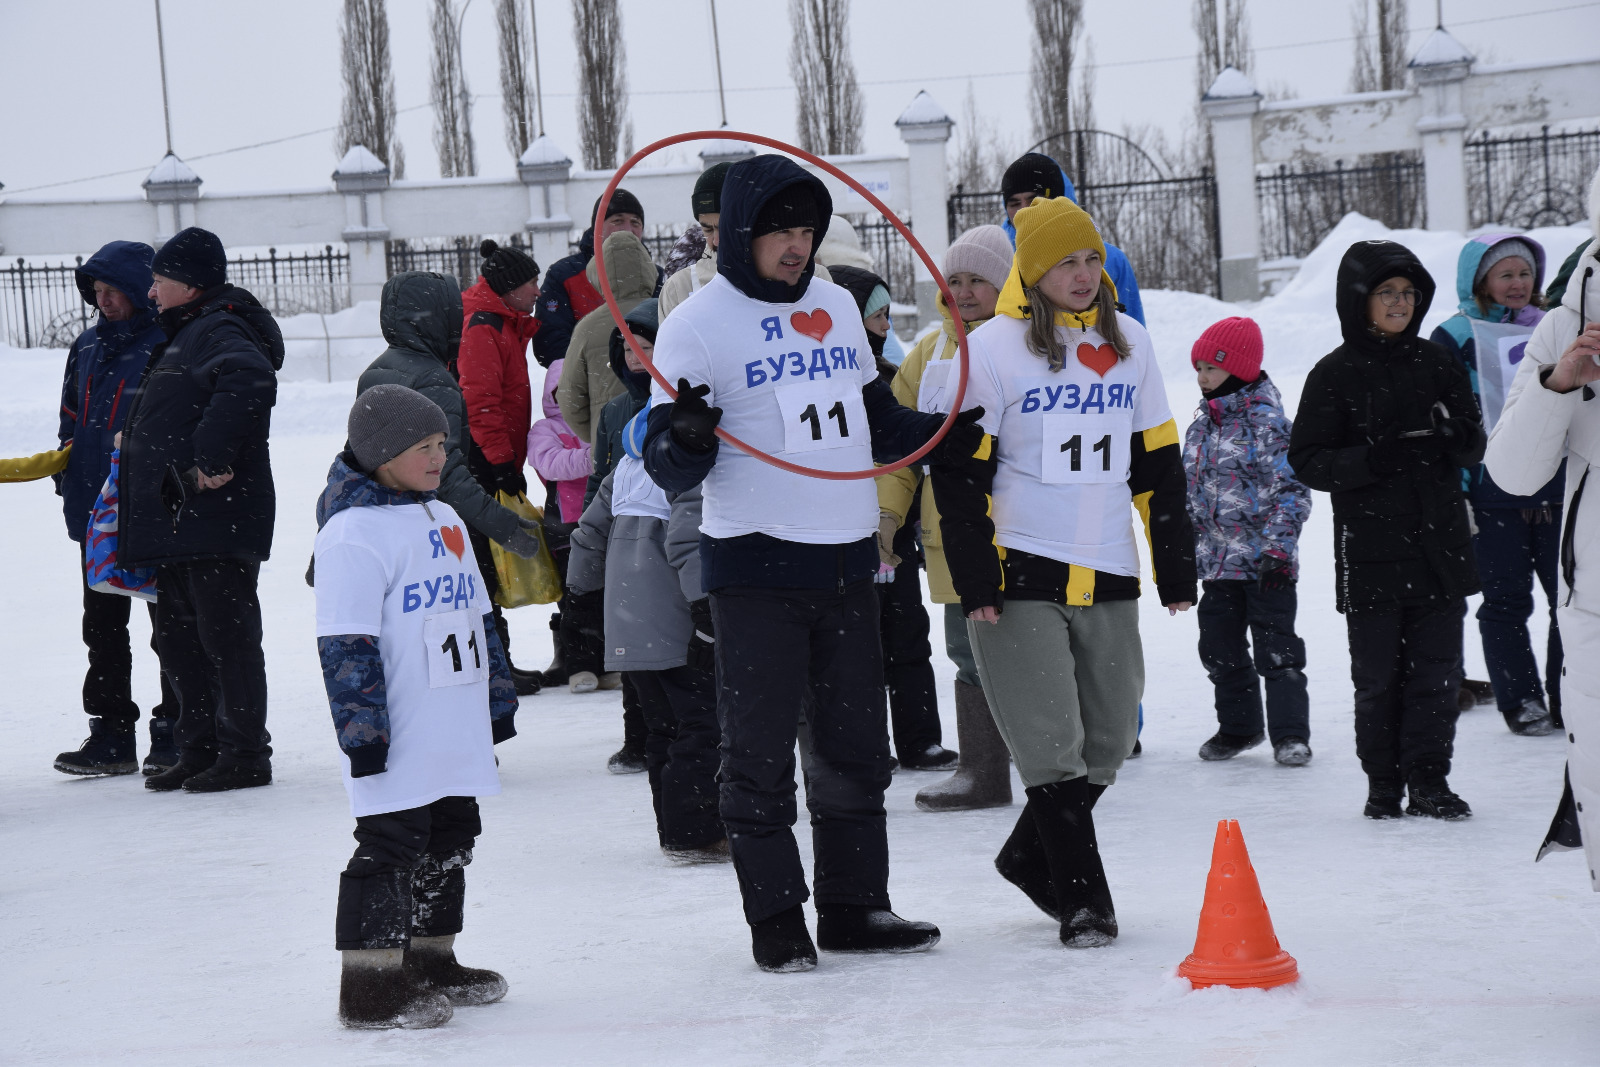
(892, 258)
(1523, 182)
(455, 256)
(1167, 227)
(310, 283)
(40, 306)
(1298, 207)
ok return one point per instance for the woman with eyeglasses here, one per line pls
(1386, 422)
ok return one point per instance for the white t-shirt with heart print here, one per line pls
(411, 580)
(788, 378)
(1064, 439)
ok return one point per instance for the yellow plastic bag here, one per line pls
(524, 581)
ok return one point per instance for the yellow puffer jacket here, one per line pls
(896, 491)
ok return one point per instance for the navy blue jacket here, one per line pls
(556, 314)
(205, 401)
(756, 559)
(103, 369)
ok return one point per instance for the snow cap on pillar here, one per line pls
(172, 179)
(1441, 50)
(360, 171)
(924, 120)
(725, 151)
(543, 161)
(1231, 84)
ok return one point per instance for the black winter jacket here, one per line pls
(420, 313)
(205, 401)
(1400, 533)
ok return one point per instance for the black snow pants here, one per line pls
(1234, 615)
(407, 878)
(108, 684)
(679, 709)
(774, 646)
(491, 584)
(1403, 661)
(1512, 551)
(209, 637)
(907, 655)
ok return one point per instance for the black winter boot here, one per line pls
(626, 760)
(228, 774)
(932, 758)
(555, 674)
(1023, 863)
(431, 963)
(1063, 812)
(983, 780)
(163, 748)
(109, 749)
(526, 683)
(1383, 798)
(1431, 795)
(782, 944)
(865, 928)
(1532, 719)
(189, 764)
(1223, 746)
(376, 992)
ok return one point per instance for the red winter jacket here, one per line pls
(493, 369)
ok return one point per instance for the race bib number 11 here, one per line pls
(1082, 449)
(819, 415)
(458, 653)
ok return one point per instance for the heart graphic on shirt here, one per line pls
(1099, 359)
(453, 540)
(814, 325)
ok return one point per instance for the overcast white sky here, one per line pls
(82, 92)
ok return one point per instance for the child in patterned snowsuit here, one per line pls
(1247, 510)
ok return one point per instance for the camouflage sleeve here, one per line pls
(1286, 501)
(502, 693)
(352, 672)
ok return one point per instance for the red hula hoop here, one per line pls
(933, 269)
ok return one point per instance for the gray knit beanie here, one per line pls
(1511, 246)
(388, 419)
(982, 250)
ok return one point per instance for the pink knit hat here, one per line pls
(1232, 344)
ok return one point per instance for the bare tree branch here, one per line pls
(1223, 42)
(367, 111)
(452, 103)
(828, 105)
(1057, 37)
(516, 100)
(602, 81)
(1380, 51)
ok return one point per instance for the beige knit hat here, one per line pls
(982, 250)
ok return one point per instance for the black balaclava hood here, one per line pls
(1365, 266)
(746, 190)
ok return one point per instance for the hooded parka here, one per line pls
(493, 368)
(1402, 537)
(102, 374)
(620, 409)
(587, 381)
(205, 401)
(420, 314)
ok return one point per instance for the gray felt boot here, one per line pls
(984, 778)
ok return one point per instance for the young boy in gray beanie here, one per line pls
(420, 692)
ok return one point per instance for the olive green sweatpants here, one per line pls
(1064, 685)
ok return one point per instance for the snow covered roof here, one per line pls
(360, 161)
(1439, 50)
(1231, 84)
(543, 152)
(923, 110)
(172, 171)
(720, 149)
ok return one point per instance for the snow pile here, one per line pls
(1298, 324)
(331, 348)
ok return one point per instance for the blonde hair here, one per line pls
(1045, 342)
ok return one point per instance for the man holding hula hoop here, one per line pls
(788, 559)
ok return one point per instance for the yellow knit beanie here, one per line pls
(1047, 232)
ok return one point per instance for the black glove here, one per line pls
(1274, 577)
(508, 478)
(1453, 435)
(703, 642)
(694, 422)
(962, 441)
(585, 613)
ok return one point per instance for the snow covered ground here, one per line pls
(143, 928)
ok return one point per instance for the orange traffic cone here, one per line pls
(1235, 945)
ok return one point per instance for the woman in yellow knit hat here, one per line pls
(1038, 533)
